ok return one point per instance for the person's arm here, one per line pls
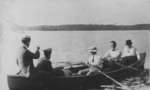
(100, 62)
(137, 54)
(119, 56)
(35, 55)
(87, 63)
(123, 53)
(106, 55)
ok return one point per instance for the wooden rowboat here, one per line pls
(75, 82)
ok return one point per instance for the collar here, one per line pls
(24, 46)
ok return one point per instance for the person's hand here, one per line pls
(89, 65)
(38, 48)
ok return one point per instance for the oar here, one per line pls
(115, 81)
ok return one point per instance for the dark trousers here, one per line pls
(129, 60)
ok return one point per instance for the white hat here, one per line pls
(93, 49)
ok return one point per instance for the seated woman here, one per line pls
(45, 65)
(112, 55)
(129, 54)
(94, 63)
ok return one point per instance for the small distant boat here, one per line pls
(76, 82)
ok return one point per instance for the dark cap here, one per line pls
(48, 50)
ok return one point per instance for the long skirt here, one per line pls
(128, 60)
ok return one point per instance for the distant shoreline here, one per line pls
(86, 27)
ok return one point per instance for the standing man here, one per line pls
(94, 63)
(25, 57)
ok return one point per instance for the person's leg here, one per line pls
(67, 72)
(92, 71)
(83, 72)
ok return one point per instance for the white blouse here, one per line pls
(112, 54)
(130, 52)
(96, 61)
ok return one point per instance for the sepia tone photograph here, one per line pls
(74, 45)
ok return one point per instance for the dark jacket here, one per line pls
(25, 60)
(44, 65)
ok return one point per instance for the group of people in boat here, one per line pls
(25, 61)
(95, 62)
(128, 56)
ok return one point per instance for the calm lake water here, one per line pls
(70, 45)
(73, 45)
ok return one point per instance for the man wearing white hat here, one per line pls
(25, 57)
(94, 63)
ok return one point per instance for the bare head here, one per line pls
(47, 53)
(113, 44)
(129, 43)
(26, 40)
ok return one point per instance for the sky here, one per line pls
(56, 12)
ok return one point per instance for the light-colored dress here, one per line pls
(130, 55)
(112, 54)
(130, 52)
